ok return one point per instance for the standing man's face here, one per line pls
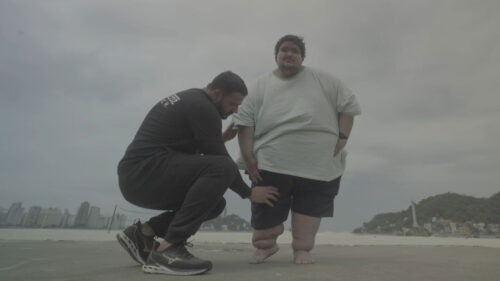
(289, 57)
(229, 104)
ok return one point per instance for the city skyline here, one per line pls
(86, 216)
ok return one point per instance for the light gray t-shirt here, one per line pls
(296, 123)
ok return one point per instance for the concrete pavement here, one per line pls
(107, 261)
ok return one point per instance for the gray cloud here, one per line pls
(76, 79)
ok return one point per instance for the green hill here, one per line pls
(227, 223)
(449, 206)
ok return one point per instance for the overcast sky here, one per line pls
(78, 77)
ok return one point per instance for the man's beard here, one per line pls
(222, 114)
(290, 68)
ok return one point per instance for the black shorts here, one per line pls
(304, 196)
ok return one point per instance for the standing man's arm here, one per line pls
(345, 125)
(245, 139)
(210, 141)
(347, 107)
(258, 194)
(229, 133)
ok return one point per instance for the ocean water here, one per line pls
(323, 238)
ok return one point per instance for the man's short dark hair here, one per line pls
(299, 41)
(228, 82)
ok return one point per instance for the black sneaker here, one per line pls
(135, 243)
(175, 260)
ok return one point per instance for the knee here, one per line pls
(217, 210)
(266, 238)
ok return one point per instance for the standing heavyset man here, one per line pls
(293, 127)
(178, 162)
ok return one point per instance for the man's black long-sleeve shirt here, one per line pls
(187, 122)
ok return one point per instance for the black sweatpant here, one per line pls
(190, 186)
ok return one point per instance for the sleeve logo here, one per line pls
(170, 100)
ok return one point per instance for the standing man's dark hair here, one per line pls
(228, 82)
(299, 41)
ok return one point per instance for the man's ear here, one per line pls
(217, 95)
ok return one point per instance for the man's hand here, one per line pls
(339, 146)
(345, 125)
(264, 194)
(229, 133)
(253, 169)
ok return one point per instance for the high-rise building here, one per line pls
(32, 218)
(82, 217)
(51, 217)
(3, 216)
(119, 221)
(101, 222)
(43, 214)
(122, 221)
(94, 215)
(15, 214)
(68, 219)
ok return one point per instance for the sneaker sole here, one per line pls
(130, 247)
(160, 269)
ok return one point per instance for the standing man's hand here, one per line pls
(339, 146)
(229, 133)
(345, 125)
(264, 194)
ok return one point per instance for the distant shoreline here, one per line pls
(229, 231)
(323, 238)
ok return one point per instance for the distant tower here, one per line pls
(82, 217)
(52, 217)
(31, 219)
(94, 214)
(15, 214)
(414, 213)
(68, 219)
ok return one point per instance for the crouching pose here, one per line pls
(178, 163)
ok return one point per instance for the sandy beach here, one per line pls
(339, 256)
(323, 238)
(349, 239)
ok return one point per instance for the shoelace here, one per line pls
(183, 251)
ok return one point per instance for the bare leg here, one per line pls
(264, 241)
(163, 245)
(304, 229)
(147, 230)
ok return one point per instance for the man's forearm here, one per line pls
(345, 124)
(245, 139)
(240, 187)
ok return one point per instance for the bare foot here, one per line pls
(302, 257)
(259, 256)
